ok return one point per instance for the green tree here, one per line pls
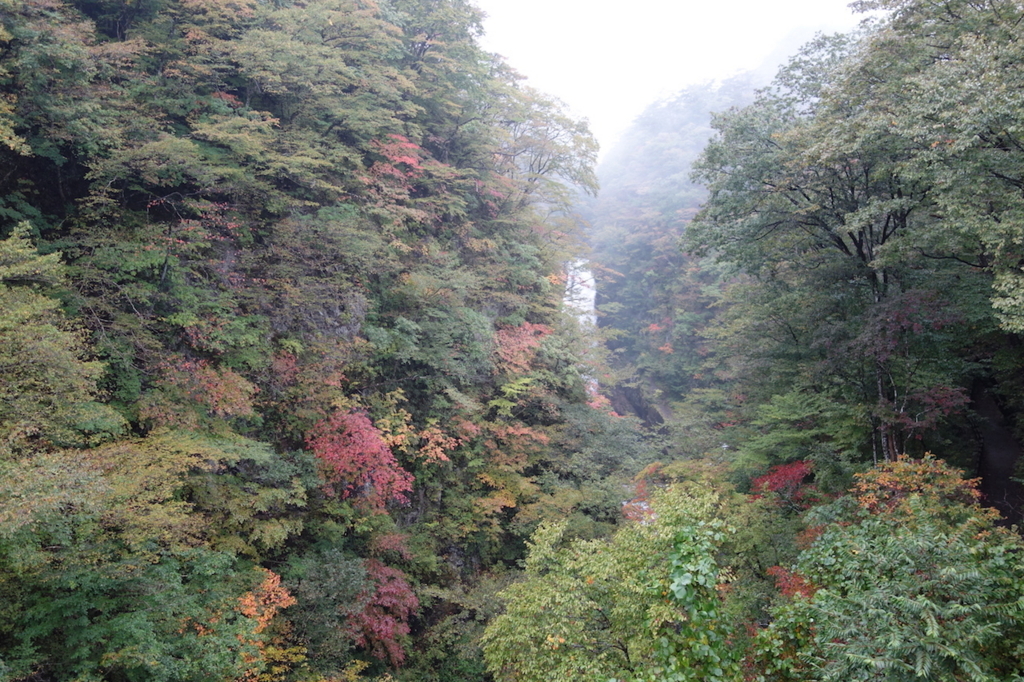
(908, 580)
(811, 198)
(641, 605)
(48, 386)
(105, 572)
(958, 110)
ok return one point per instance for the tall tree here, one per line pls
(811, 198)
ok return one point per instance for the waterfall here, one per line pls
(581, 292)
(580, 297)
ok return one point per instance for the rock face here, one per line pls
(630, 400)
(999, 454)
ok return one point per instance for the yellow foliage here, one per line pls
(888, 487)
(262, 605)
(142, 478)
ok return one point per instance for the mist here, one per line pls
(608, 62)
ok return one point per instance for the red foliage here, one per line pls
(190, 236)
(806, 537)
(925, 407)
(511, 445)
(357, 461)
(787, 481)
(390, 181)
(901, 318)
(468, 429)
(390, 543)
(284, 368)
(385, 618)
(193, 388)
(228, 99)
(639, 508)
(263, 603)
(435, 444)
(516, 346)
(601, 404)
(792, 584)
(398, 149)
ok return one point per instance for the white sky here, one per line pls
(609, 59)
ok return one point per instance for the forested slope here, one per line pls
(285, 371)
(867, 201)
(650, 293)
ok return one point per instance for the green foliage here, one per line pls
(256, 216)
(329, 588)
(854, 299)
(170, 619)
(602, 608)
(801, 425)
(456, 618)
(252, 498)
(48, 387)
(699, 648)
(913, 583)
(104, 573)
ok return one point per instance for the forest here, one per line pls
(290, 389)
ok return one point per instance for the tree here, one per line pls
(383, 623)
(104, 571)
(641, 605)
(48, 387)
(908, 579)
(175, 618)
(958, 110)
(357, 462)
(811, 197)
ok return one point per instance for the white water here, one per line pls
(581, 292)
(580, 296)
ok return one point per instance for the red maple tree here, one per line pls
(788, 482)
(384, 621)
(357, 461)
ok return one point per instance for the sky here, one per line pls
(609, 60)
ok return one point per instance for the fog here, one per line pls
(608, 61)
